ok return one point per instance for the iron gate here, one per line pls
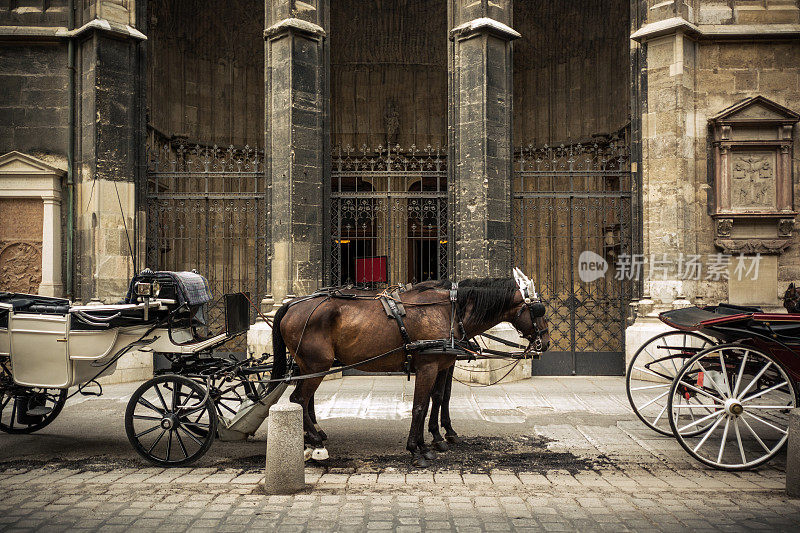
(206, 210)
(572, 217)
(388, 216)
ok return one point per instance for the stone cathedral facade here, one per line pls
(630, 155)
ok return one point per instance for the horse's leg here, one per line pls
(303, 392)
(437, 395)
(449, 433)
(313, 414)
(423, 383)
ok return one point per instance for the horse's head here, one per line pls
(791, 299)
(529, 318)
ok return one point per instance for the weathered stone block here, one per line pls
(745, 80)
(778, 80)
(736, 55)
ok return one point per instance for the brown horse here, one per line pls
(335, 325)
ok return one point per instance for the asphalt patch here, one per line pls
(475, 455)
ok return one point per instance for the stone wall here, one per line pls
(728, 72)
(34, 108)
(708, 57)
(703, 56)
(35, 120)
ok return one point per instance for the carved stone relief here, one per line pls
(20, 266)
(785, 227)
(724, 227)
(753, 184)
(752, 246)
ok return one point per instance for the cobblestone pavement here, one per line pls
(552, 454)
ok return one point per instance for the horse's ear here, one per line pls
(791, 287)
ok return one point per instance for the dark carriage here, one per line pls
(722, 382)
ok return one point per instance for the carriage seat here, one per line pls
(32, 303)
(733, 309)
(184, 287)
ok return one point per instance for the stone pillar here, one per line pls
(480, 100)
(109, 142)
(671, 211)
(285, 473)
(793, 455)
(296, 107)
(51, 248)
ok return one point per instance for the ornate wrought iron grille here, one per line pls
(388, 215)
(206, 210)
(569, 200)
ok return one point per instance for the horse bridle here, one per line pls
(536, 309)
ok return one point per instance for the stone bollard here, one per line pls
(286, 472)
(793, 455)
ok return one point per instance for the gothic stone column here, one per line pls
(671, 211)
(296, 114)
(108, 142)
(480, 99)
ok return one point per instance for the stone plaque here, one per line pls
(753, 181)
(20, 244)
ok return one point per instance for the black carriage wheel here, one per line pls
(228, 396)
(170, 420)
(649, 393)
(26, 409)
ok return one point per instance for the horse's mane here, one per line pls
(488, 297)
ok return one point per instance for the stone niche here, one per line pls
(753, 182)
(30, 225)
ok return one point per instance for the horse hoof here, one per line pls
(440, 446)
(419, 462)
(429, 454)
(454, 439)
(320, 454)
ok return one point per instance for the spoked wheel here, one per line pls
(652, 370)
(26, 409)
(170, 420)
(228, 394)
(742, 400)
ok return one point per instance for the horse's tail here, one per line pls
(278, 347)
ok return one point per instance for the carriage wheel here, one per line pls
(170, 420)
(652, 370)
(745, 398)
(26, 409)
(228, 395)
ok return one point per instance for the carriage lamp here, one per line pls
(148, 290)
(143, 289)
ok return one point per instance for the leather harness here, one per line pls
(393, 306)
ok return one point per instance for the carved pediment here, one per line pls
(19, 163)
(756, 108)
